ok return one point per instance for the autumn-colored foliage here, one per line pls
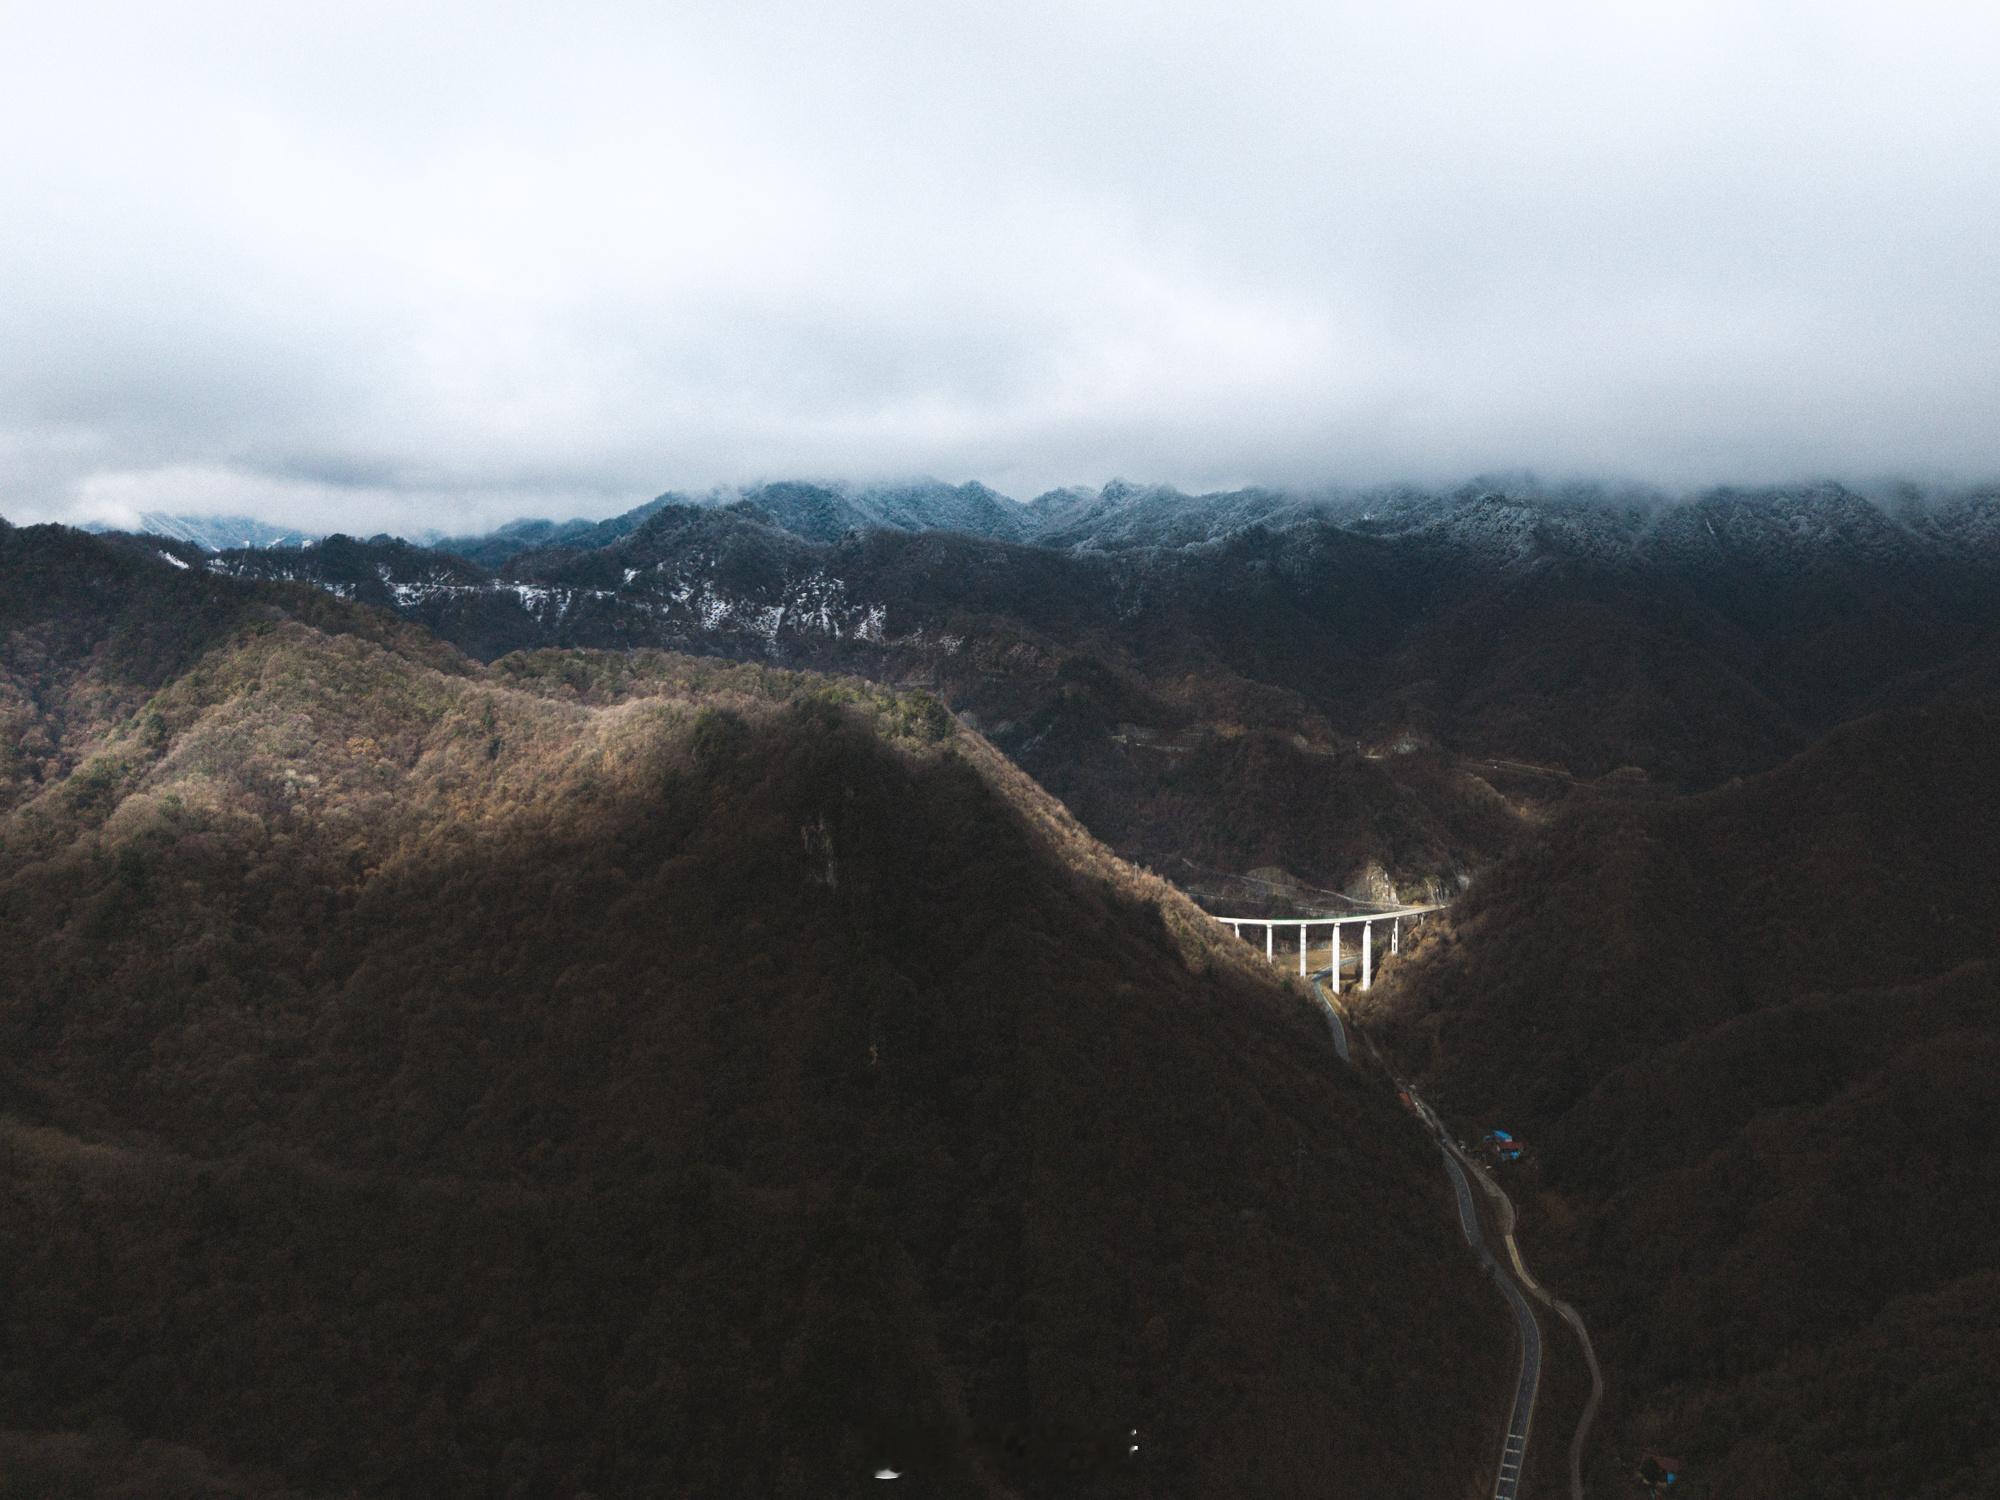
(634, 1075)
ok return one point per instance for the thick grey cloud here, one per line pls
(380, 264)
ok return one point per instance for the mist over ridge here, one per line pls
(429, 270)
(922, 502)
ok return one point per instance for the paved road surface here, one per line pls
(1527, 1383)
(1515, 1284)
(1332, 1019)
(1503, 1208)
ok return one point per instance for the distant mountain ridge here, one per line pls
(215, 533)
(1479, 515)
(1203, 677)
(815, 511)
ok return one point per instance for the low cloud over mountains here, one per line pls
(426, 269)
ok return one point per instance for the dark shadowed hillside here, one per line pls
(633, 1075)
(1754, 1037)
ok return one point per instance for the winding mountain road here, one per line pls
(1333, 1022)
(1503, 1208)
(1528, 1382)
(1515, 1282)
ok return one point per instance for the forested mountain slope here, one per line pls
(1196, 675)
(637, 1075)
(1754, 1038)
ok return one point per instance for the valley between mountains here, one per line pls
(725, 1000)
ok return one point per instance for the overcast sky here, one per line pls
(368, 265)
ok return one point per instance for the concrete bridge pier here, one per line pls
(1303, 926)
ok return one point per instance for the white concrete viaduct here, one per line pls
(1395, 916)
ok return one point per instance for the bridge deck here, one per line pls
(1334, 921)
